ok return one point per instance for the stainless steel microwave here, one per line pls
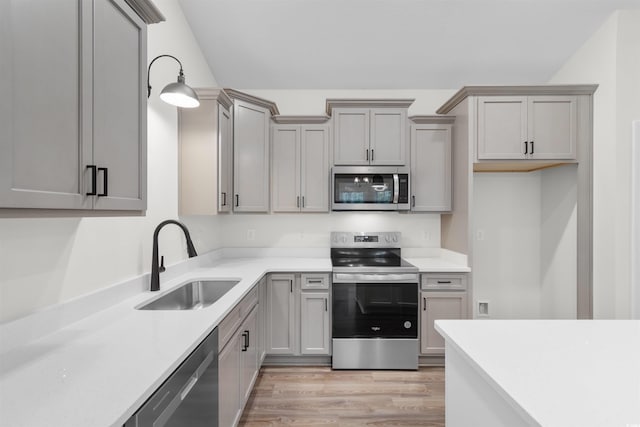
(369, 188)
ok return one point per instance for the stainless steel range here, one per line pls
(374, 302)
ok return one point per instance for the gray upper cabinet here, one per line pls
(89, 111)
(119, 106)
(251, 119)
(369, 131)
(300, 165)
(431, 163)
(542, 127)
(205, 155)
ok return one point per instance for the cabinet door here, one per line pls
(280, 314)
(314, 161)
(388, 136)
(225, 160)
(351, 139)
(229, 382)
(315, 332)
(431, 168)
(119, 106)
(285, 169)
(250, 158)
(502, 127)
(197, 130)
(435, 306)
(45, 120)
(248, 355)
(552, 127)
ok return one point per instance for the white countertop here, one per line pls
(558, 372)
(99, 370)
(437, 265)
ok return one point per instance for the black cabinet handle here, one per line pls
(244, 341)
(298, 202)
(303, 201)
(105, 191)
(424, 303)
(224, 199)
(291, 284)
(367, 150)
(247, 343)
(94, 180)
(372, 156)
(444, 281)
(326, 305)
(531, 147)
(526, 147)
(237, 200)
(413, 201)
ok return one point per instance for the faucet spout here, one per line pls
(155, 270)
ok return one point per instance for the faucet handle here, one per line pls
(161, 268)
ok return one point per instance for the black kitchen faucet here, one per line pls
(155, 269)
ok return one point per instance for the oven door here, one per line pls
(375, 310)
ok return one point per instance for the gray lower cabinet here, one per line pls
(431, 164)
(298, 314)
(280, 314)
(300, 167)
(76, 139)
(205, 155)
(238, 357)
(443, 296)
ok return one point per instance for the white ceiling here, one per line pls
(391, 44)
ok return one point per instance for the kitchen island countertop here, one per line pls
(542, 372)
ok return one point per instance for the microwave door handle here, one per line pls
(396, 188)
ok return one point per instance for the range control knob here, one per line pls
(395, 239)
(407, 325)
(387, 238)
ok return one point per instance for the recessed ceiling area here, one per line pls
(391, 44)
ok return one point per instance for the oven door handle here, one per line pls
(396, 188)
(385, 278)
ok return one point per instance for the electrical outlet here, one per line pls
(483, 308)
(251, 234)
(427, 235)
(480, 234)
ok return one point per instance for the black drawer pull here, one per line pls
(531, 147)
(105, 191)
(424, 304)
(224, 199)
(325, 305)
(237, 200)
(443, 282)
(526, 147)
(94, 179)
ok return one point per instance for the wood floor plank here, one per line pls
(319, 396)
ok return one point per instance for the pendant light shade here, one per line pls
(178, 93)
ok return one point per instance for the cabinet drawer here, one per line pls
(248, 302)
(228, 326)
(314, 281)
(444, 282)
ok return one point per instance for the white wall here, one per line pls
(46, 260)
(506, 251)
(558, 249)
(611, 58)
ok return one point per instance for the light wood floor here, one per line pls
(317, 396)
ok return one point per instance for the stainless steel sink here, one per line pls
(191, 296)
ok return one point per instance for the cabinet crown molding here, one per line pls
(424, 120)
(270, 105)
(300, 120)
(467, 91)
(146, 10)
(216, 94)
(367, 103)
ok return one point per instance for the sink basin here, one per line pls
(191, 295)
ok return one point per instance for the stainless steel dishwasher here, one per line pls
(189, 397)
